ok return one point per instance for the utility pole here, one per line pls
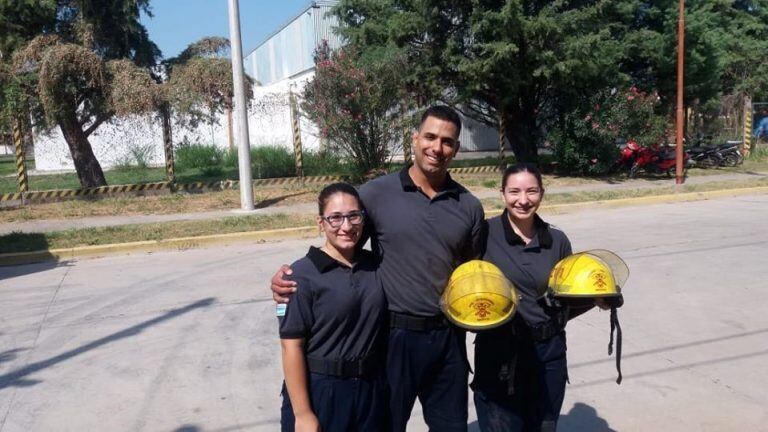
(241, 111)
(680, 117)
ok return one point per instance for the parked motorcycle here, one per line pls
(705, 156)
(657, 160)
(627, 155)
(730, 154)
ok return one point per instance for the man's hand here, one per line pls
(282, 289)
(602, 304)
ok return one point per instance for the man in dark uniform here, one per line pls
(423, 225)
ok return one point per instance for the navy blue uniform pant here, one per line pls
(342, 404)
(431, 365)
(540, 378)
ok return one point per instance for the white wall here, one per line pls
(269, 123)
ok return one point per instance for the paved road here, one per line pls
(185, 341)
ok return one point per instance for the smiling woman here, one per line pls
(520, 368)
(332, 332)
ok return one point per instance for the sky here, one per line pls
(177, 23)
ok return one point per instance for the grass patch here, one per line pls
(21, 242)
(158, 204)
(7, 166)
(194, 163)
(608, 195)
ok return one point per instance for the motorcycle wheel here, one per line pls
(732, 160)
(634, 170)
(707, 162)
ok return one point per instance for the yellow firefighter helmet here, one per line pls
(590, 274)
(479, 297)
(583, 277)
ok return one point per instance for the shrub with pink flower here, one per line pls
(356, 105)
(585, 140)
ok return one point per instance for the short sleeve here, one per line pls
(298, 319)
(478, 234)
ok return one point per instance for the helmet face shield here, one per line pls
(479, 296)
(614, 262)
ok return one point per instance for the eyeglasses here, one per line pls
(336, 220)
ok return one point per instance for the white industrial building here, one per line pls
(283, 62)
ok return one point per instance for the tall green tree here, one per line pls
(20, 21)
(89, 65)
(525, 60)
(724, 45)
(536, 62)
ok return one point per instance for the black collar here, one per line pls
(542, 231)
(406, 181)
(322, 261)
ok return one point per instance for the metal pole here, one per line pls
(243, 144)
(680, 114)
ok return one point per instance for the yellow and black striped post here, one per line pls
(170, 171)
(747, 147)
(21, 166)
(296, 134)
(502, 136)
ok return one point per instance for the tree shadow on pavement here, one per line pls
(17, 378)
(48, 262)
(583, 418)
(10, 355)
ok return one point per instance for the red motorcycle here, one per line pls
(656, 160)
(627, 155)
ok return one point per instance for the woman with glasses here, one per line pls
(332, 331)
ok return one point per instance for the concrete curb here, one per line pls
(650, 199)
(186, 243)
(180, 244)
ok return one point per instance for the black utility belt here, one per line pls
(365, 367)
(546, 330)
(417, 323)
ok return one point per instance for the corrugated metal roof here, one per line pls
(289, 50)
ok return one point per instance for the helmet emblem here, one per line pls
(481, 307)
(598, 278)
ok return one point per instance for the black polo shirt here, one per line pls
(420, 241)
(339, 310)
(526, 266)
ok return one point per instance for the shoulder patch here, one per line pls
(280, 309)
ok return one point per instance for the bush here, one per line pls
(327, 163)
(355, 101)
(271, 162)
(584, 141)
(266, 161)
(581, 149)
(189, 156)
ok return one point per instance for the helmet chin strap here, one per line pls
(615, 326)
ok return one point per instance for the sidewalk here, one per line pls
(50, 225)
